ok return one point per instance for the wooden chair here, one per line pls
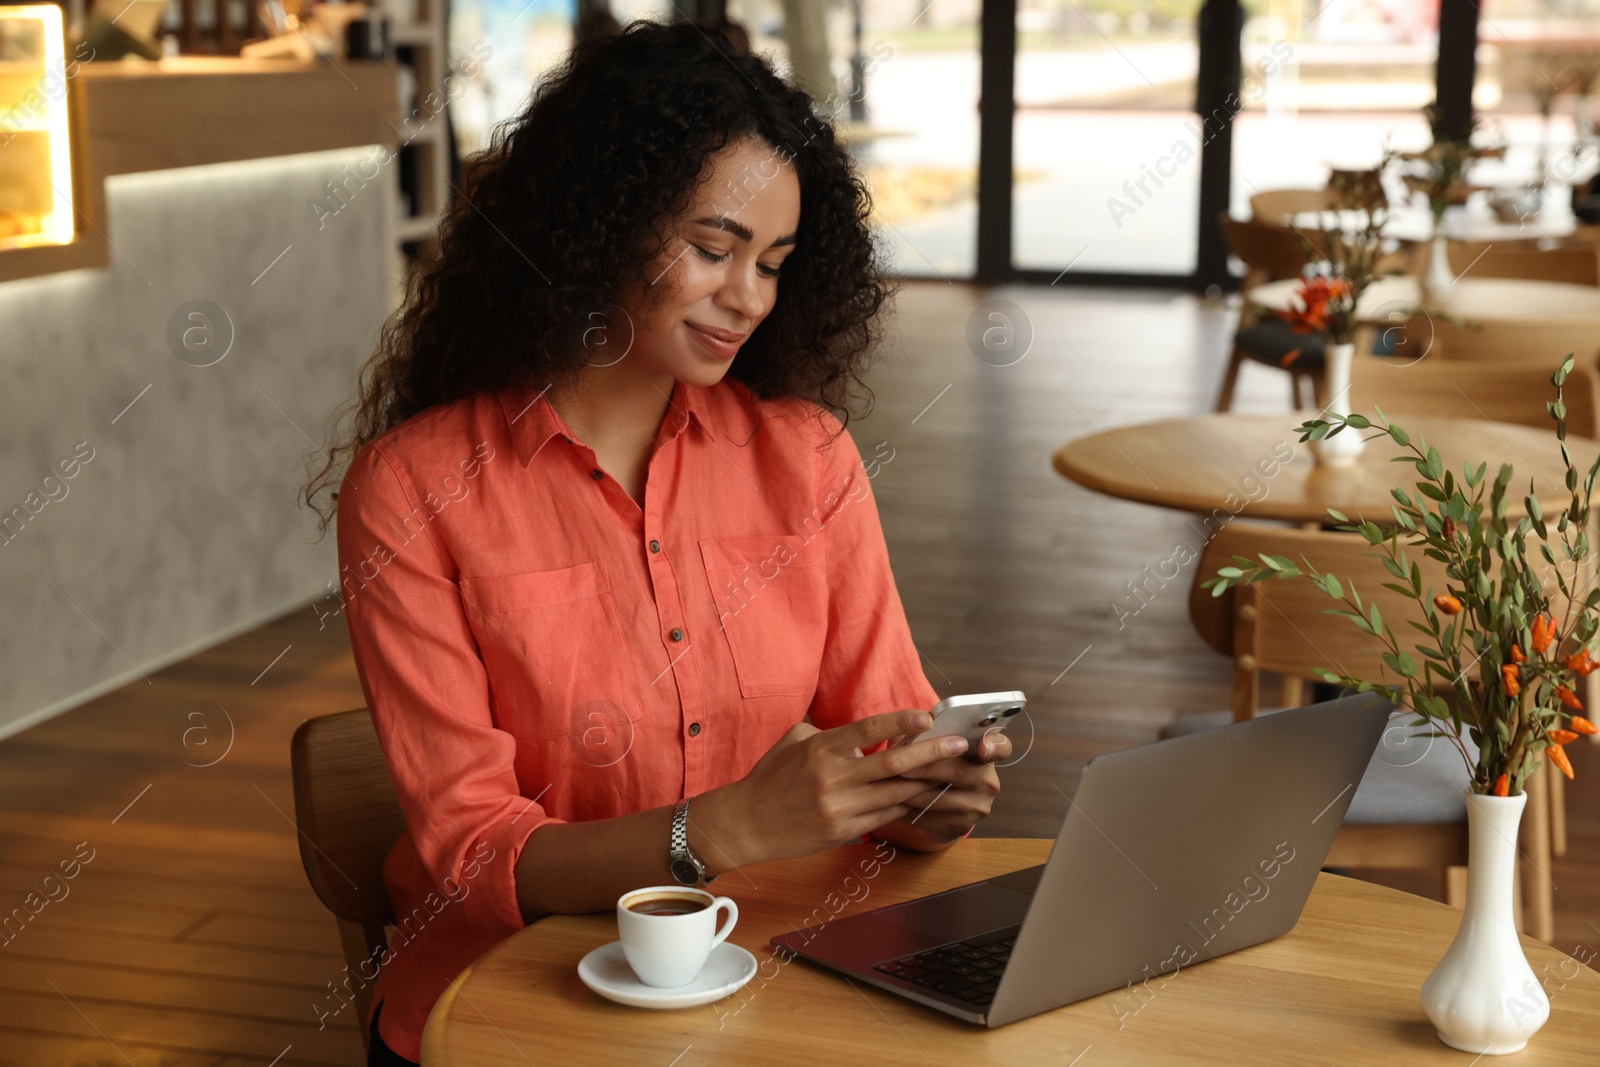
(1270, 253)
(348, 818)
(1529, 343)
(1472, 389)
(1275, 206)
(1577, 263)
(1408, 811)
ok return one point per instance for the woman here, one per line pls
(604, 549)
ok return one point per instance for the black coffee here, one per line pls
(666, 904)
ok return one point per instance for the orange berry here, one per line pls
(1542, 633)
(1561, 737)
(1569, 698)
(1581, 725)
(1447, 604)
(1502, 785)
(1579, 663)
(1558, 756)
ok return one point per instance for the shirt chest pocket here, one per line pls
(553, 644)
(771, 595)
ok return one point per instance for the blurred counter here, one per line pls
(139, 116)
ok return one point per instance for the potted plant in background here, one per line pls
(1439, 173)
(1505, 644)
(1344, 267)
(1581, 74)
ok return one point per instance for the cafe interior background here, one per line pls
(207, 209)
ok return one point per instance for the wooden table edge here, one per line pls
(435, 1044)
(1023, 852)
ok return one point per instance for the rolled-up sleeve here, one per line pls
(869, 663)
(428, 694)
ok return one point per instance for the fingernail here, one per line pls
(953, 746)
(921, 721)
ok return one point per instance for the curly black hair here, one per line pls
(564, 211)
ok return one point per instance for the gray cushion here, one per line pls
(1271, 340)
(1409, 779)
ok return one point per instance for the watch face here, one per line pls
(685, 872)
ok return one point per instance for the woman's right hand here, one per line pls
(814, 789)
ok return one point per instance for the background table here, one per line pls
(1341, 987)
(1202, 464)
(1392, 299)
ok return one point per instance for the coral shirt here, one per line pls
(535, 647)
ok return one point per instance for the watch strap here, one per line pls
(680, 839)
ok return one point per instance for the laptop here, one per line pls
(1170, 854)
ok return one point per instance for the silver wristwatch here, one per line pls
(686, 866)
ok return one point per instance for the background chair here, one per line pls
(1530, 343)
(1275, 206)
(1474, 389)
(1270, 253)
(1407, 811)
(1577, 263)
(345, 808)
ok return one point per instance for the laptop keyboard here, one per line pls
(968, 970)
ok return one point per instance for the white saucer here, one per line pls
(606, 971)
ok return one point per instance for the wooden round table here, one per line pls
(1220, 463)
(1391, 299)
(1341, 987)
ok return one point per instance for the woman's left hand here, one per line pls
(961, 791)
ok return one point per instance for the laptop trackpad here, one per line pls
(962, 913)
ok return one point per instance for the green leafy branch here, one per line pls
(1489, 667)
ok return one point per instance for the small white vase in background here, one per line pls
(1483, 997)
(1344, 447)
(1437, 281)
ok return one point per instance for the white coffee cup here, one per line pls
(665, 942)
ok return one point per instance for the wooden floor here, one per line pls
(190, 938)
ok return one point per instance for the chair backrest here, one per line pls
(1274, 206)
(1283, 625)
(347, 813)
(1476, 390)
(1269, 252)
(1577, 263)
(1507, 342)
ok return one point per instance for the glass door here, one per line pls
(1106, 145)
(498, 51)
(900, 81)
(1327, 84)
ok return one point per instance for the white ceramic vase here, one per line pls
(1437, 281)
(1483, 997)
(1343, 448)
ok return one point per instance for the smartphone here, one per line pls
(972, 716)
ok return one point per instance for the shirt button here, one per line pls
(676, 634)
(597, 474)
(694, 729)
(655, 546)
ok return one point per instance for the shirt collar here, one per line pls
(533, 421)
